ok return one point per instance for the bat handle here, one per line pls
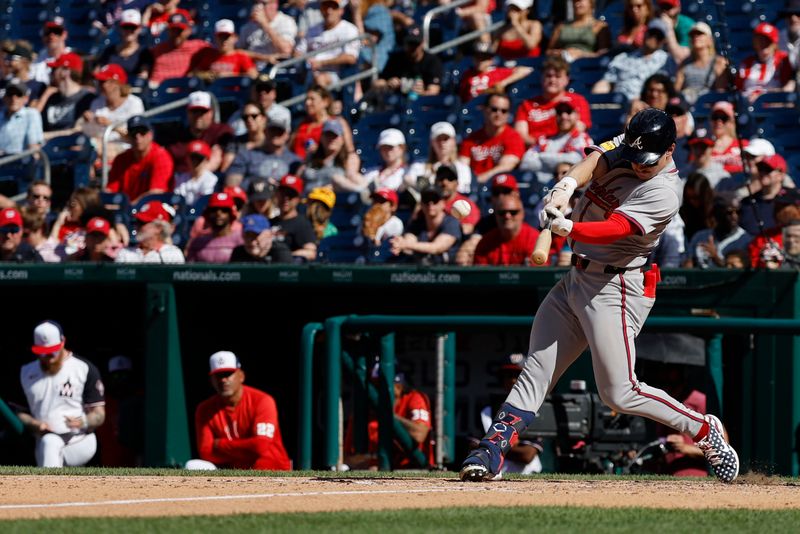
(542, 249)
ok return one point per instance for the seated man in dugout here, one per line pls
(238, 427)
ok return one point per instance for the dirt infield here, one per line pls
(61, 496)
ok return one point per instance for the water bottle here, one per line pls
(412, 94)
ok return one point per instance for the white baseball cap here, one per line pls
(199, 99)
(223, 361)
(47, 338)
(701, 27)
(442, 128)
(224, 26)
(391, 137)
(760, 147)
(130, 17)
(522, 4)
(119, 363)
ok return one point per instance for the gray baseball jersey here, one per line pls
(605, 308)
(649, 205)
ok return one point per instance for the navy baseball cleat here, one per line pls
(723, 459)
(476, 467)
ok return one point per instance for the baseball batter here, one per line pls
(634, 191)
(65, 399)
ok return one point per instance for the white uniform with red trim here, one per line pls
(604, 301)
(51, 398)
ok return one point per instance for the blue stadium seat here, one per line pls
(232, 93)
(345, 247)
(527, 87)
(71, 156)
(171, 90)
(348, 212)
(119, 205)
(471, 116)
(608, 115)
(585, 72)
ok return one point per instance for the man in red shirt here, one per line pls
(143, 169)
(512, 242)
(769, 69)
(171, 58)
(536, 117)
(238, 427)
(201, 126)
(486, 74)
(496, 148)
(447, 182)
(224, 60)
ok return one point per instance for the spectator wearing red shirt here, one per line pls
(202, 126)
(486, 74)
(224, 60)
(157, 15)
(412, 409)
(306, 136)
(173, 57)
(145, 168)
(512, 242)
(238, 427)
(769, 69)
(447, 182)
(496, 148)
(537, 117)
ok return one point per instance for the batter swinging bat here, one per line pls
(542, 249)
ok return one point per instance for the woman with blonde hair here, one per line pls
(703, 70)
(114, 103)
(585, 36)
(443, 150)
(637, 14)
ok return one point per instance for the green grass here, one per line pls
(545, 520)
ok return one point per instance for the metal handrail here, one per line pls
(339, 44)
(466, 37)
(370, 72)
(24, 154)
(169, 106)
(426, 22)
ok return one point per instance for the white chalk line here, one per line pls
(123, 502)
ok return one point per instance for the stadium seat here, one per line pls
(608, 115)
(346, 247)
(232, 93)
(118, 205)
(71, 157)
(171, 90)
(348, 212)
(585, 72)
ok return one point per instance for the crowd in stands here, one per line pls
(368, 172)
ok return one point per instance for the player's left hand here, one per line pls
(559, 224)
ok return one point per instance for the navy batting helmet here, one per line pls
(649, 134)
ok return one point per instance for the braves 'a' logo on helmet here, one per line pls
(636, 143)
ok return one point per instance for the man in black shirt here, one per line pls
(289, 227)
(259, 245)
(12, 247)
(411, 69)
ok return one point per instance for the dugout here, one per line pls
(173, 318)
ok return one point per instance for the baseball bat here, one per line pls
(542, 249)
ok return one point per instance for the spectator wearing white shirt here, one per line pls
(54, 36)
(390, 175)
(114, 104)
(269, 35)
(20, 126)
(200, 181)
(325, 66)
(152, 246)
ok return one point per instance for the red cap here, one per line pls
(70, 60)
(292, 182)
(112, 71)
(155, 211)
(198, 146)
(505, 181)
(671, 3)
(387, 194)
(9, 217)
(99, 225)
(179, 20)
(767, 30)
(775, 161)
(221, 200)
(56, 22)
(237, 193)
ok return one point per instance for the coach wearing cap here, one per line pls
(145, 168)
(65, 401)
(238, 427)
(20, 126)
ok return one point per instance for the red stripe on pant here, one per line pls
(634, 383)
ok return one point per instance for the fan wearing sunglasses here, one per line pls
(512, 242)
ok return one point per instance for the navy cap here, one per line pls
(138, 122)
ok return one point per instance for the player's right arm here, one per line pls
(33, 425)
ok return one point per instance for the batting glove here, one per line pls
(559, 224)
(561, 193)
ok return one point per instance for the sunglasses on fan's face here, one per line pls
(720, 117)
(503, 213)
